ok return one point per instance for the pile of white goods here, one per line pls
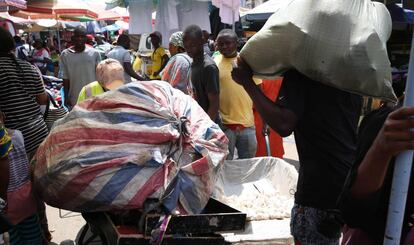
(262, 206)
(262, 188)
(335, 42)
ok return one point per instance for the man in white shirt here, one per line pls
(121, 54)
(78, 65)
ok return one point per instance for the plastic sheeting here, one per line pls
(245, 177)
(144, 140)
(338, 43)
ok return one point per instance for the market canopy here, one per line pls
(116, 13)
(5, 5)
(57, 9)
(16, 20)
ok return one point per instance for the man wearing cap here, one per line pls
(159, 58)
(121, 54)
(178, 69)
(110, 75)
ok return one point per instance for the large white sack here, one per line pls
(339, 43)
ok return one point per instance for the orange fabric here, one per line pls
(271, 89)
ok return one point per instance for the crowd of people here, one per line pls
(344, 174)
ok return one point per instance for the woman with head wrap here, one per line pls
(177, 70)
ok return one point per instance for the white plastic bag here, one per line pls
(338, 43)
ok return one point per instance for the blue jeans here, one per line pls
(244, 140)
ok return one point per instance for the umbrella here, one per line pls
(46, 22)
(16, 20)
(117, 26)
(116, 13)
(61, 10)
(6, 5)
(113, 27)
(74, 8)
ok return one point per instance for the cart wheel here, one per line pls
(88, 235)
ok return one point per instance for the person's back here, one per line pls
(178, 69)
(122, 55)
(177, 72)
(19, 85)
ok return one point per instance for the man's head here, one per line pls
(124, 41)
(227, 43)
(193, 41)
(110, 74)
(37, 44)
(156, 39)
(206, 36)
(90, 39)
(18, 40)
(79, 38)
(100, 39)
(176, 43)
(6, 40)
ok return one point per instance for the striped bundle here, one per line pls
(144, 140)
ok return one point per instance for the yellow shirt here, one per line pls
(236, 107)
(156, 58)
(89, 91)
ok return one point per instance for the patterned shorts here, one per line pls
(304, 226)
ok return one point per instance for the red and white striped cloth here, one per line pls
(118, 149)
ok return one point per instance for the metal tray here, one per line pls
(216, 217)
